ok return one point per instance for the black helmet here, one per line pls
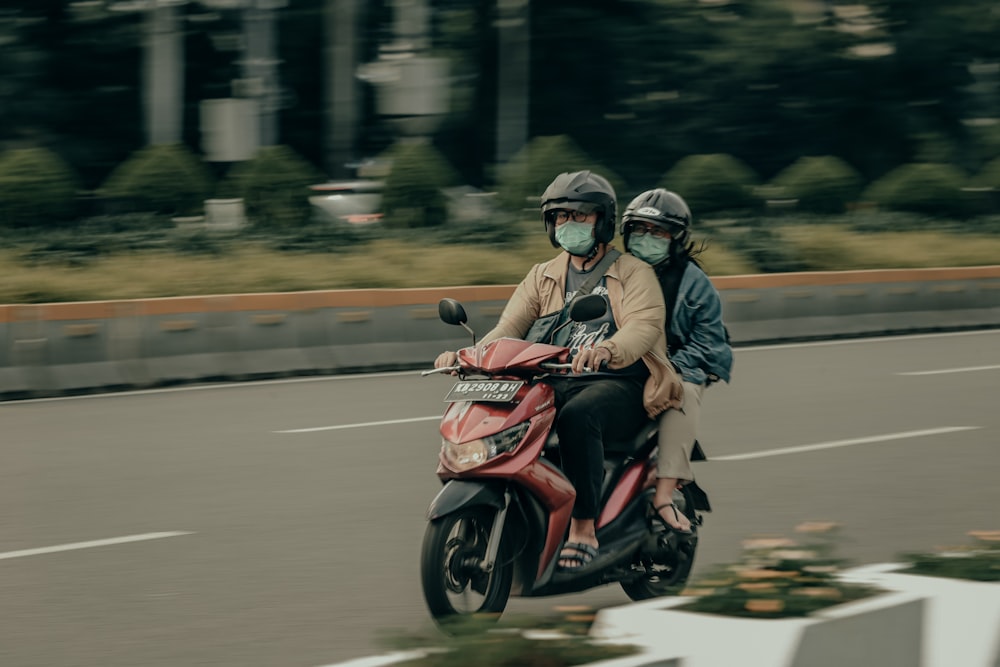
(662, 208)
(581, 190)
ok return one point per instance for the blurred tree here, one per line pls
(636, 84)
(62, 84)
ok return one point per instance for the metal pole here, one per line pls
(341, 88)
(164, 64)
(514, 46)
(260, 67)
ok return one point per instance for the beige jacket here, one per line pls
(636, 304)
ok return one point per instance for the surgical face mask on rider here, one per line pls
(649, 249)
(576, 238)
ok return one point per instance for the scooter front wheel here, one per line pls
(455, 583)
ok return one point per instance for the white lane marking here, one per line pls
(359, 425)
(386, 659)
(863, 339)
(91, 544)
(967, 369)
(842, 443)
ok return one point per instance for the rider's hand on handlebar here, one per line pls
(590, 359)
(446, 359)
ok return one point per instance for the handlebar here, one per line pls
(554, 366)
(446, 369)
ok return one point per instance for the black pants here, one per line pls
(590, 411)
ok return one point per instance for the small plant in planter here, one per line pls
(556, 641)
(783, 602)
(777, 577)
(979, 561)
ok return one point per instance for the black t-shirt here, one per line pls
(586, 335)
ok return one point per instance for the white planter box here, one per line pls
(881, 631)
(962, 622)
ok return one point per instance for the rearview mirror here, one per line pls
(452, 312)
(587, 307)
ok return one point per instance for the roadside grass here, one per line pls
(241, 266)
(839, 248)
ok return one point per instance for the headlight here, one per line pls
(468, 455)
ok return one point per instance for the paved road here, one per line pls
(254, 542)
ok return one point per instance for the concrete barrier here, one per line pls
(49, 349)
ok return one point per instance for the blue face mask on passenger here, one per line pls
(649, 249)
(576, 238)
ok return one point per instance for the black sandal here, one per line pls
(580, 555)
(659, 517)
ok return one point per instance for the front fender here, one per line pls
(457, 494)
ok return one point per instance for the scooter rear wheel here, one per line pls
(455, 585)
(667, 576)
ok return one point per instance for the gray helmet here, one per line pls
(662, 208)
(581, 191)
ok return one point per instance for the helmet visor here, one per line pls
(571, 205)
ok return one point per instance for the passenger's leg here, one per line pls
(678, 431)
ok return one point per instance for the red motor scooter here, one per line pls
(499, 523)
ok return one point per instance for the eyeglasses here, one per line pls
(560, 216)
(640, 229)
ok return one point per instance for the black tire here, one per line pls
(669, 576)
(454, 585)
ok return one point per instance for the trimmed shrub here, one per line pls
(715, 182)
(987, 183)
(274, 186)
(524, 178)
(37, 188)
(924, 187)
(989, 175)
(823, 184)
(166, 178)
(413, 194)
(984, 142)
(762, 246)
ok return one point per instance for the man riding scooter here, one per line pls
(620, 372)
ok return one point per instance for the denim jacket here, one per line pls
(697, 323)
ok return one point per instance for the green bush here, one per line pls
(979, 561)
(524, 642)
(823, 184)
(522, 180)
(757, 242)
(37, 188)
(709, 183)
(986, 190)
(989, 175)
(166, 178)
(274, 186)
(984, 142)
(924, 187)
(413, 194)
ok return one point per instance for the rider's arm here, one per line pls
(640, 322)
(698, 322)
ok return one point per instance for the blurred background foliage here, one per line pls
(764, 114)
(636, 85)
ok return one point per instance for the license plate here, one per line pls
(499, 391)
